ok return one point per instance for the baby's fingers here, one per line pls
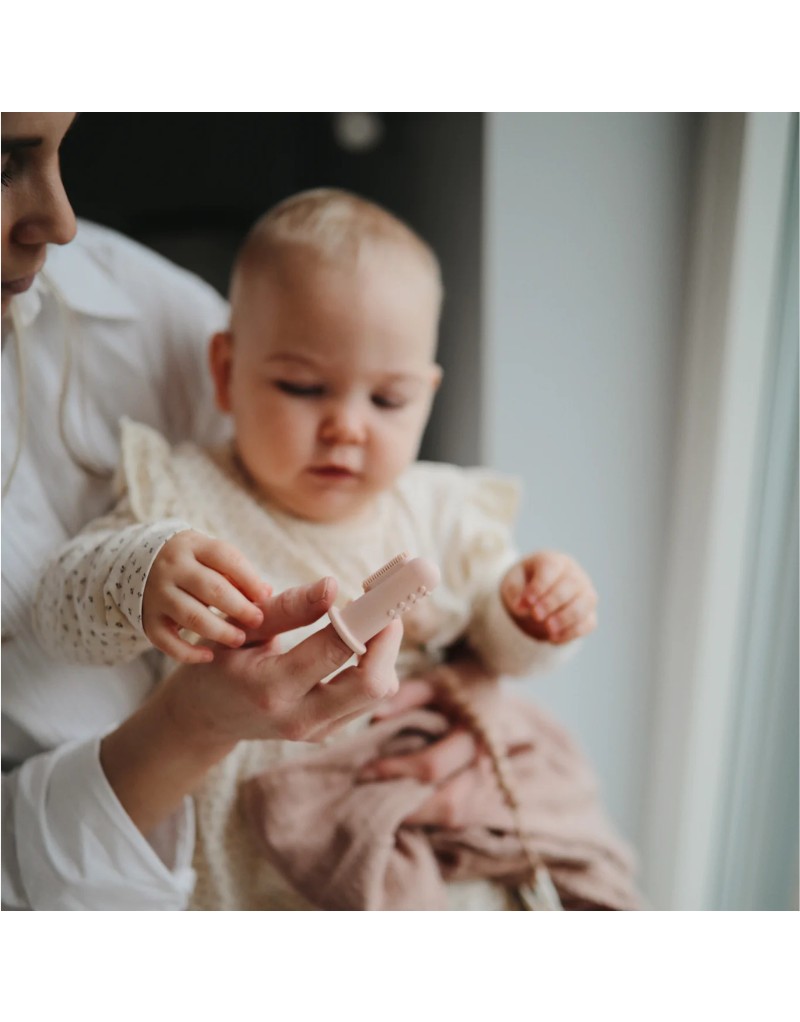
(187, 612)
(572, 620)
(576, 631)
(542, 572)
(164, 636)
(225, 560)
(563, 591)
(212, 589)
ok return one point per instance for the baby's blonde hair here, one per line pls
(333, 225)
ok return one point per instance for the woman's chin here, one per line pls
(16, 286)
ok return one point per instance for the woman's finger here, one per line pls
(329, 728)
(354, 691)
(431, 765)
(451, 805)
(361, 686)
(414, 692)
(294, 608)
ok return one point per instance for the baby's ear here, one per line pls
(436, 376)
(220, 360)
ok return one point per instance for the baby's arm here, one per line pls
(90, 608)
(472, 512)
(526, 624)
(88, 604)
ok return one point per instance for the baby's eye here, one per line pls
(388, 401)
(300, 389)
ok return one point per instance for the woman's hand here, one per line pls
(258, 692)
(200, 712)
(457, 762)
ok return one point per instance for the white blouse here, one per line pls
(132, 329)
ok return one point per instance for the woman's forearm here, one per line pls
(152, 763)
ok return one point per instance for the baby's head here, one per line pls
(328, 367)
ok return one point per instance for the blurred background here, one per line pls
(620, 330)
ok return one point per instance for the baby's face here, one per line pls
(330, 376)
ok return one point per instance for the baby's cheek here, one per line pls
(396, 449)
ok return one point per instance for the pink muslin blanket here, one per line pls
(344, 845)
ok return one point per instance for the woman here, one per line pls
(95, 812)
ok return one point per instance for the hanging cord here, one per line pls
(539, 892)
(17, 329)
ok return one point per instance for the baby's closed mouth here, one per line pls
(333, 471)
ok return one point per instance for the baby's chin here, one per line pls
(328, 508)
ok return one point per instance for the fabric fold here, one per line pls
(345, 845)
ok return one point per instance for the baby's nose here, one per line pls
(344, 423)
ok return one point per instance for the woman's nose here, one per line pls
(49, 218)
(344, 423)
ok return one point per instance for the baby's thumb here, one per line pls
(512, 588)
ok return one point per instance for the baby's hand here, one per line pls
(192, 573)
(550, 597)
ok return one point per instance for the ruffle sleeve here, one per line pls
(471, 514)
(484, 537)
(147, 473)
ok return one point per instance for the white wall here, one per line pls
(585, 235)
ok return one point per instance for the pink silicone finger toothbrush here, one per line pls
(388, 593)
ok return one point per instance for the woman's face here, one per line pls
(36, 211)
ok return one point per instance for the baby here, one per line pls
(328, 372)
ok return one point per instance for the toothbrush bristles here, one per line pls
(376, 576)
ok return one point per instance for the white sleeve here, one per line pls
(69, 844)
(88, 606)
